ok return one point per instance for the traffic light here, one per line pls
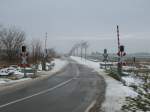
(105, 51)
(23, 48)
(121, 48)
(134, 59)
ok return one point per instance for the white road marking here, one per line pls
(91, 105)
(39, 93)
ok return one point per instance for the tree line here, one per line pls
(11, 41)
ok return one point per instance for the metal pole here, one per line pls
(77, 51)
(45, 40)
(81, 52)
(45, 58)
(119, 57)
(25, 72)
(118, 38)
(85, 53)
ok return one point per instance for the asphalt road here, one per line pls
(72, 90)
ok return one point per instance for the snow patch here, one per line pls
(5, 81)
(59, 64)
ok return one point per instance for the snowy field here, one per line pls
(59, 64)
(115, 91)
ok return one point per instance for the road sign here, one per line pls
(24, 63)
(24, 56)
(24, 60)
(121, 54)
(105, 55)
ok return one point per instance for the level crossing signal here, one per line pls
(24, 56)
(121, 54)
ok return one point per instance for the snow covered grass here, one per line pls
(115, 91)
(129, 68)
(130, 80)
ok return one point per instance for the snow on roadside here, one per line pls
(5, 81)
(115, 94)
(59, 64)
(88, 63)
(115, 91)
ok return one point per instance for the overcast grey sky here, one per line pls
(70, 21)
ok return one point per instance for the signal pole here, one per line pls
(24, 56)
(120, 53)
(45, 40)
(119, 64)
(45, 53)
(118, 38)
(105, 55)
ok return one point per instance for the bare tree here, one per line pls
(1, 44)
(81, 47)
(36, 51)
(85, 46)
(77, 49)
(52, 53)
(12, 39)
